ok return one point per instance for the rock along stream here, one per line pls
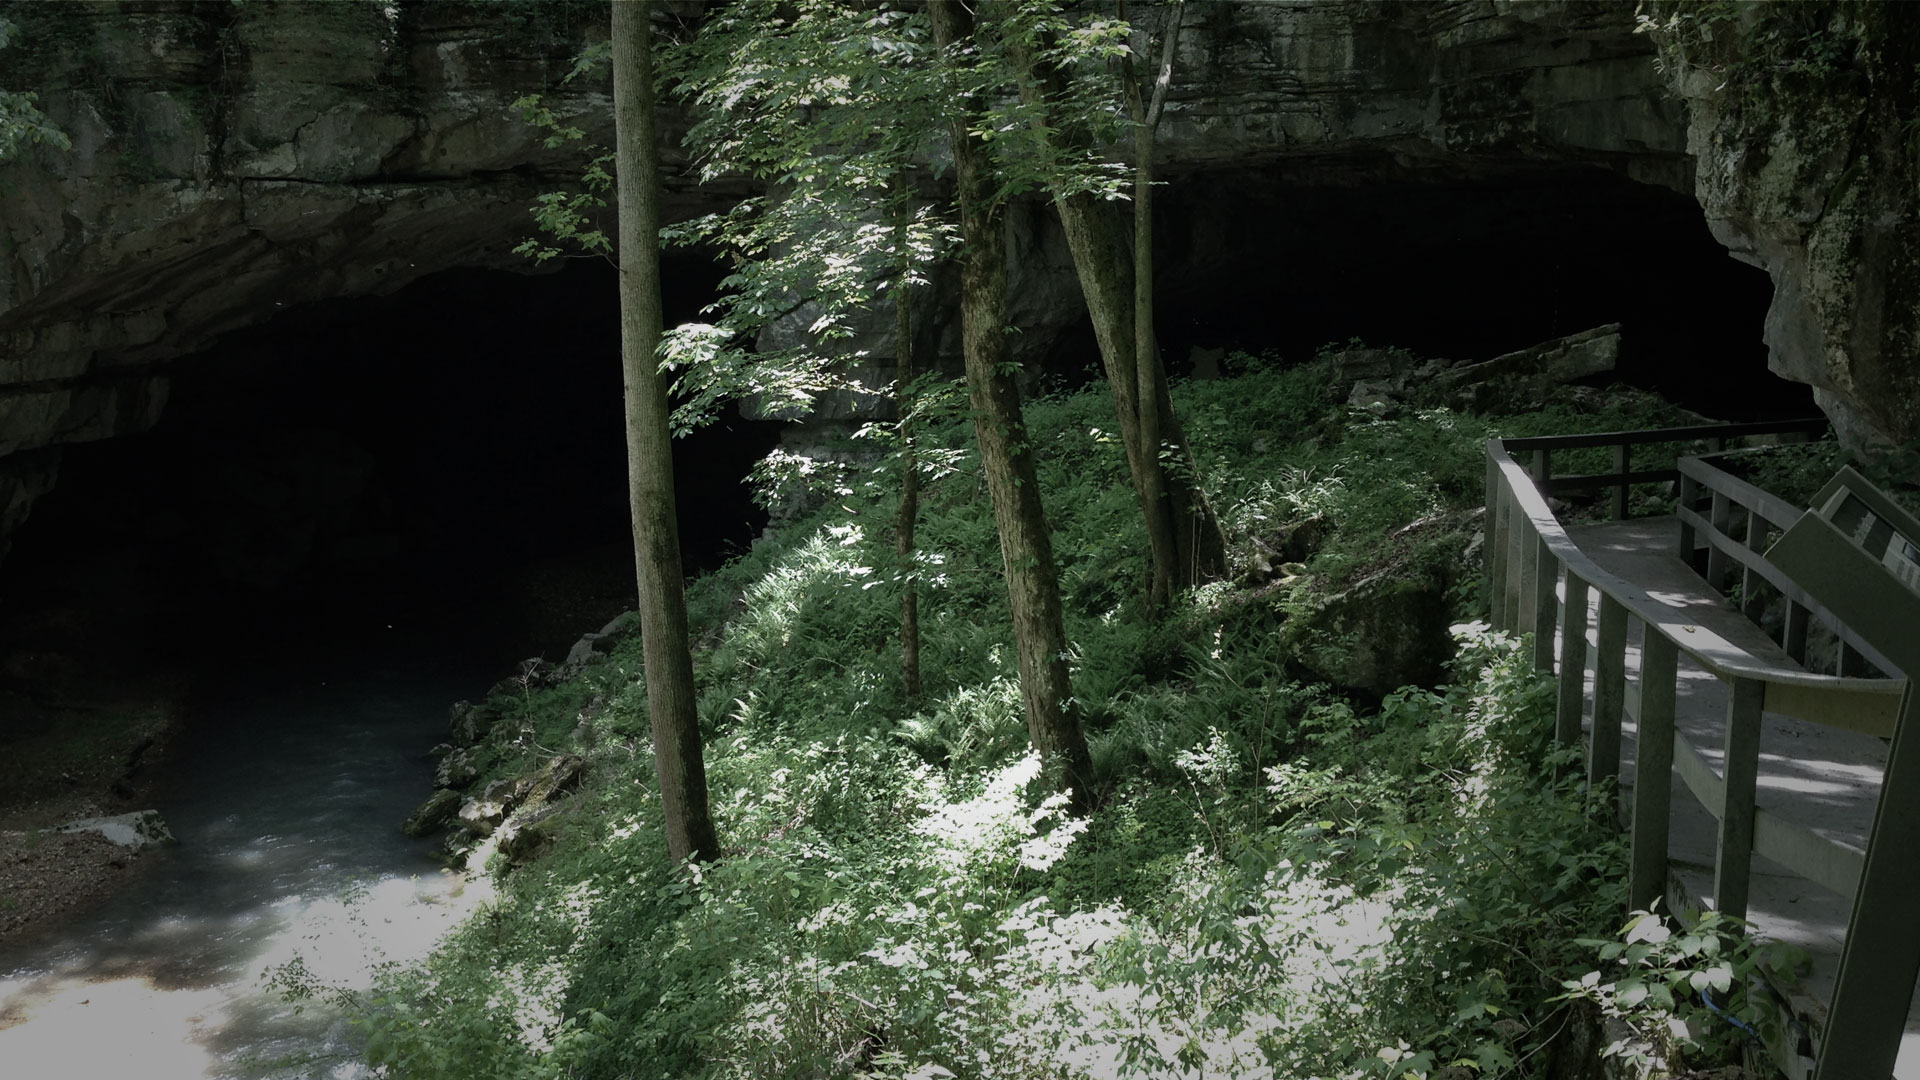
(286, 795)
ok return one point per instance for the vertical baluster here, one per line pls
(1795, 633)
(1752, 605)
(1573, 660)
(1487, 519)
(1543, 471)
(1689, 495)
(1733, 861)
(1497, 545)
(1546, 604)
(1527, 558)
(1717, 560)
(1518, 527)
(1852, 664)
(1609, 691)
(1652, 770)
(1622, 461)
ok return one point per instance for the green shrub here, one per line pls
(1283, 881)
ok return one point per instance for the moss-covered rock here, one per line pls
(1809, 163)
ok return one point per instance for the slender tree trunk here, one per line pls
(1199, 546)
(909, 464)
(1146, 348)
(656, 534)
(1006, 452)
(1183, 536)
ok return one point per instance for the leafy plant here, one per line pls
(1286, 881)
(1692, 996)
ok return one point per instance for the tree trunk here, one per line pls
(1183, 536)
(1200, 552)
(656, 534)
(909, 465)
(1006, 452)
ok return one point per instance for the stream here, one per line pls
(286, 794)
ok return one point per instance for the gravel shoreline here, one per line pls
(85, 761)
(46, 877)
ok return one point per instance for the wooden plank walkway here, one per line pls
(1825, 779)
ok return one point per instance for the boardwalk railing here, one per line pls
(1540, 580)
(1623, 476)
(1733, 506)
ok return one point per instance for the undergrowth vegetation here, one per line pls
(1283, 878)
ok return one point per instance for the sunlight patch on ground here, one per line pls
(73, 1021)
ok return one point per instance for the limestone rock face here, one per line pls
(1359, 86)
(1802, 126)
(232, 160)
(229, 160)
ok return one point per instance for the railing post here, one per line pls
(1750, 602)
(1487, 520)
(1573, 661)
(1652, 770)
(1518, 526)
(1622, 460)
(1717, 559)
(1852, 663)
(1497, 545)
(1542, 469)
(1546, 605)
(1609, 691)
(1689, 494)
(1873, 988)
(1525, 582)
(1794, 636)
(1733, 861)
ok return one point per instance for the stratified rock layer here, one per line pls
(231, 160)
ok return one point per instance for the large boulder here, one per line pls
(468, 723)
(1526, 378)
(456, 770)
(506, 804)
(434, 814)
(137, 831)
(593, 645)
(1380, 634)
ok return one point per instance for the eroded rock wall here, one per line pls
(1804, 127)
(233, 159)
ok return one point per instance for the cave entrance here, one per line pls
(445, 464)
(1465, 266)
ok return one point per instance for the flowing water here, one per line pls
(286, 796)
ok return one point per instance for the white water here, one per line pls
(287, 800)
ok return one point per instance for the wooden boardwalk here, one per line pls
(1754, 772)
(1820, 777)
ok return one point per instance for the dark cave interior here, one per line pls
(447, 461)
(1469, 269)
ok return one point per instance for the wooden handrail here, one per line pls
(1711, 651)
(1528, 548)
(1867, 705)
(1665, 435)
(1775, 512)
(1775, 509)
(1623, 476)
